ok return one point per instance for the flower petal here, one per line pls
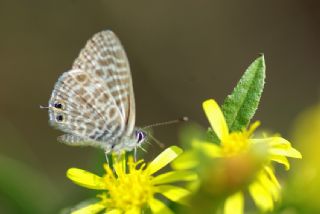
(119, 162)
(176, 194)
(157, 207)
(280, 146)
(86, 179)
(289, 152)
(164, 158)
(114, 211)
(92, 209)
(216, 118)
(208, 148)
(272, 176)
(261, 196)
(135, 210)
(268, 184)
(188, 160)
(234, 204)
(174, 176)
(281, 159)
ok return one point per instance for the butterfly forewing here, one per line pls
(105, 56)
(95, 100)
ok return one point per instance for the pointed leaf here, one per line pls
(240, 106)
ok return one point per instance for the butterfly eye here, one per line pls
(140, 136)
(59, 118)
(58, 105)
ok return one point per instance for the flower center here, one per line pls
(238, 142)
(129, 190)
(235, 143)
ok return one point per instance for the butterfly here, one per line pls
(93, 103)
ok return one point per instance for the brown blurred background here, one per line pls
(181, 52)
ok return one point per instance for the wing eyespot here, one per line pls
(58, 106)
(59, 118)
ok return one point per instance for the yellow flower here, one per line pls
(264, 187)
(132, 186)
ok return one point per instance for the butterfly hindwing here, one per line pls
(87, 108)
(73, 140)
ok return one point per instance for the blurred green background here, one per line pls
(181, 52)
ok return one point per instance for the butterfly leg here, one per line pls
(107, 158)
(135, 153)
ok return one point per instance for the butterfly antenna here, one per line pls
(160, 144)
(182, 119)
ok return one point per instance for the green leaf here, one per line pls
(239, 107)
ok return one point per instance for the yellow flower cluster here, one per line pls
(132, 186)
(264, 187)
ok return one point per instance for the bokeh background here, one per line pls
(181, 52)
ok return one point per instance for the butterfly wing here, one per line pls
(105, 56)
(95, 101)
